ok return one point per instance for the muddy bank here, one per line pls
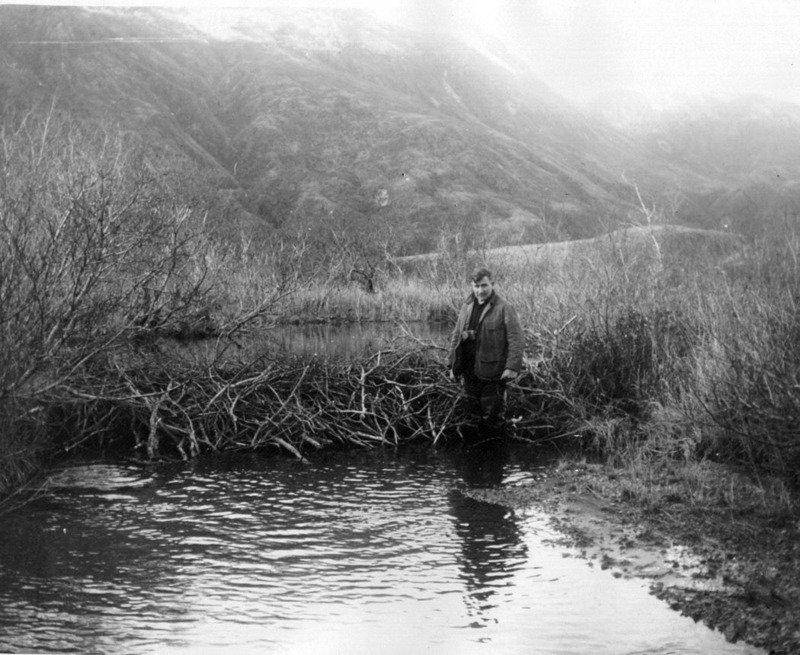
(735, 569)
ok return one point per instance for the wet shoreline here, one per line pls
(736, 571)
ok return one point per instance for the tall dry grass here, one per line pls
(395, 300)
(690, 349)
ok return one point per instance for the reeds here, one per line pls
(396, 299)
(700, 331)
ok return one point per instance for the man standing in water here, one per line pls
(486, 350)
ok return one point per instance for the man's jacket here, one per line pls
(499, 342)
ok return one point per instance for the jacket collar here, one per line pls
(491, 300)
(485, 307)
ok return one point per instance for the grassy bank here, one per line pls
(687, 353)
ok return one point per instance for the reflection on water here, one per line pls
(351, 340)
(491, 540)
(356, 552)
(343, 342)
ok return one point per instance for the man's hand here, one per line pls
(508, 374)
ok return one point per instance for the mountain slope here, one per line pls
(326, 118)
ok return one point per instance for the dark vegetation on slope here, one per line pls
(367, 127)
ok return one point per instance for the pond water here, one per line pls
(356, 552)
(343, 342)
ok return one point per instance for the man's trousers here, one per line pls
(486, 400)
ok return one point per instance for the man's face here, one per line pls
(482, 289)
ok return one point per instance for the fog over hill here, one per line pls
(301, 118)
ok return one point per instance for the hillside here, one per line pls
(636, 250)
(327, 120)
(746, 149)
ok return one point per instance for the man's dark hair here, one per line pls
(479, 273)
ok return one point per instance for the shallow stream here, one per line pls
(358, 552)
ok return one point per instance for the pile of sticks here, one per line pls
(171, 408)
(289, 403)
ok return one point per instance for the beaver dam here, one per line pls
(290, 403)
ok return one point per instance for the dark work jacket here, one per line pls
(499, 342)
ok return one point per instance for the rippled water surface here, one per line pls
(351, 553)
(338, 342)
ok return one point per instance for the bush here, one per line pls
(95, 246)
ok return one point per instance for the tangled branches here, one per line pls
(292, 404)
(295, 405)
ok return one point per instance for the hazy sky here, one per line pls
(584, 47)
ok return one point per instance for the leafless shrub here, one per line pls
(94, 248)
